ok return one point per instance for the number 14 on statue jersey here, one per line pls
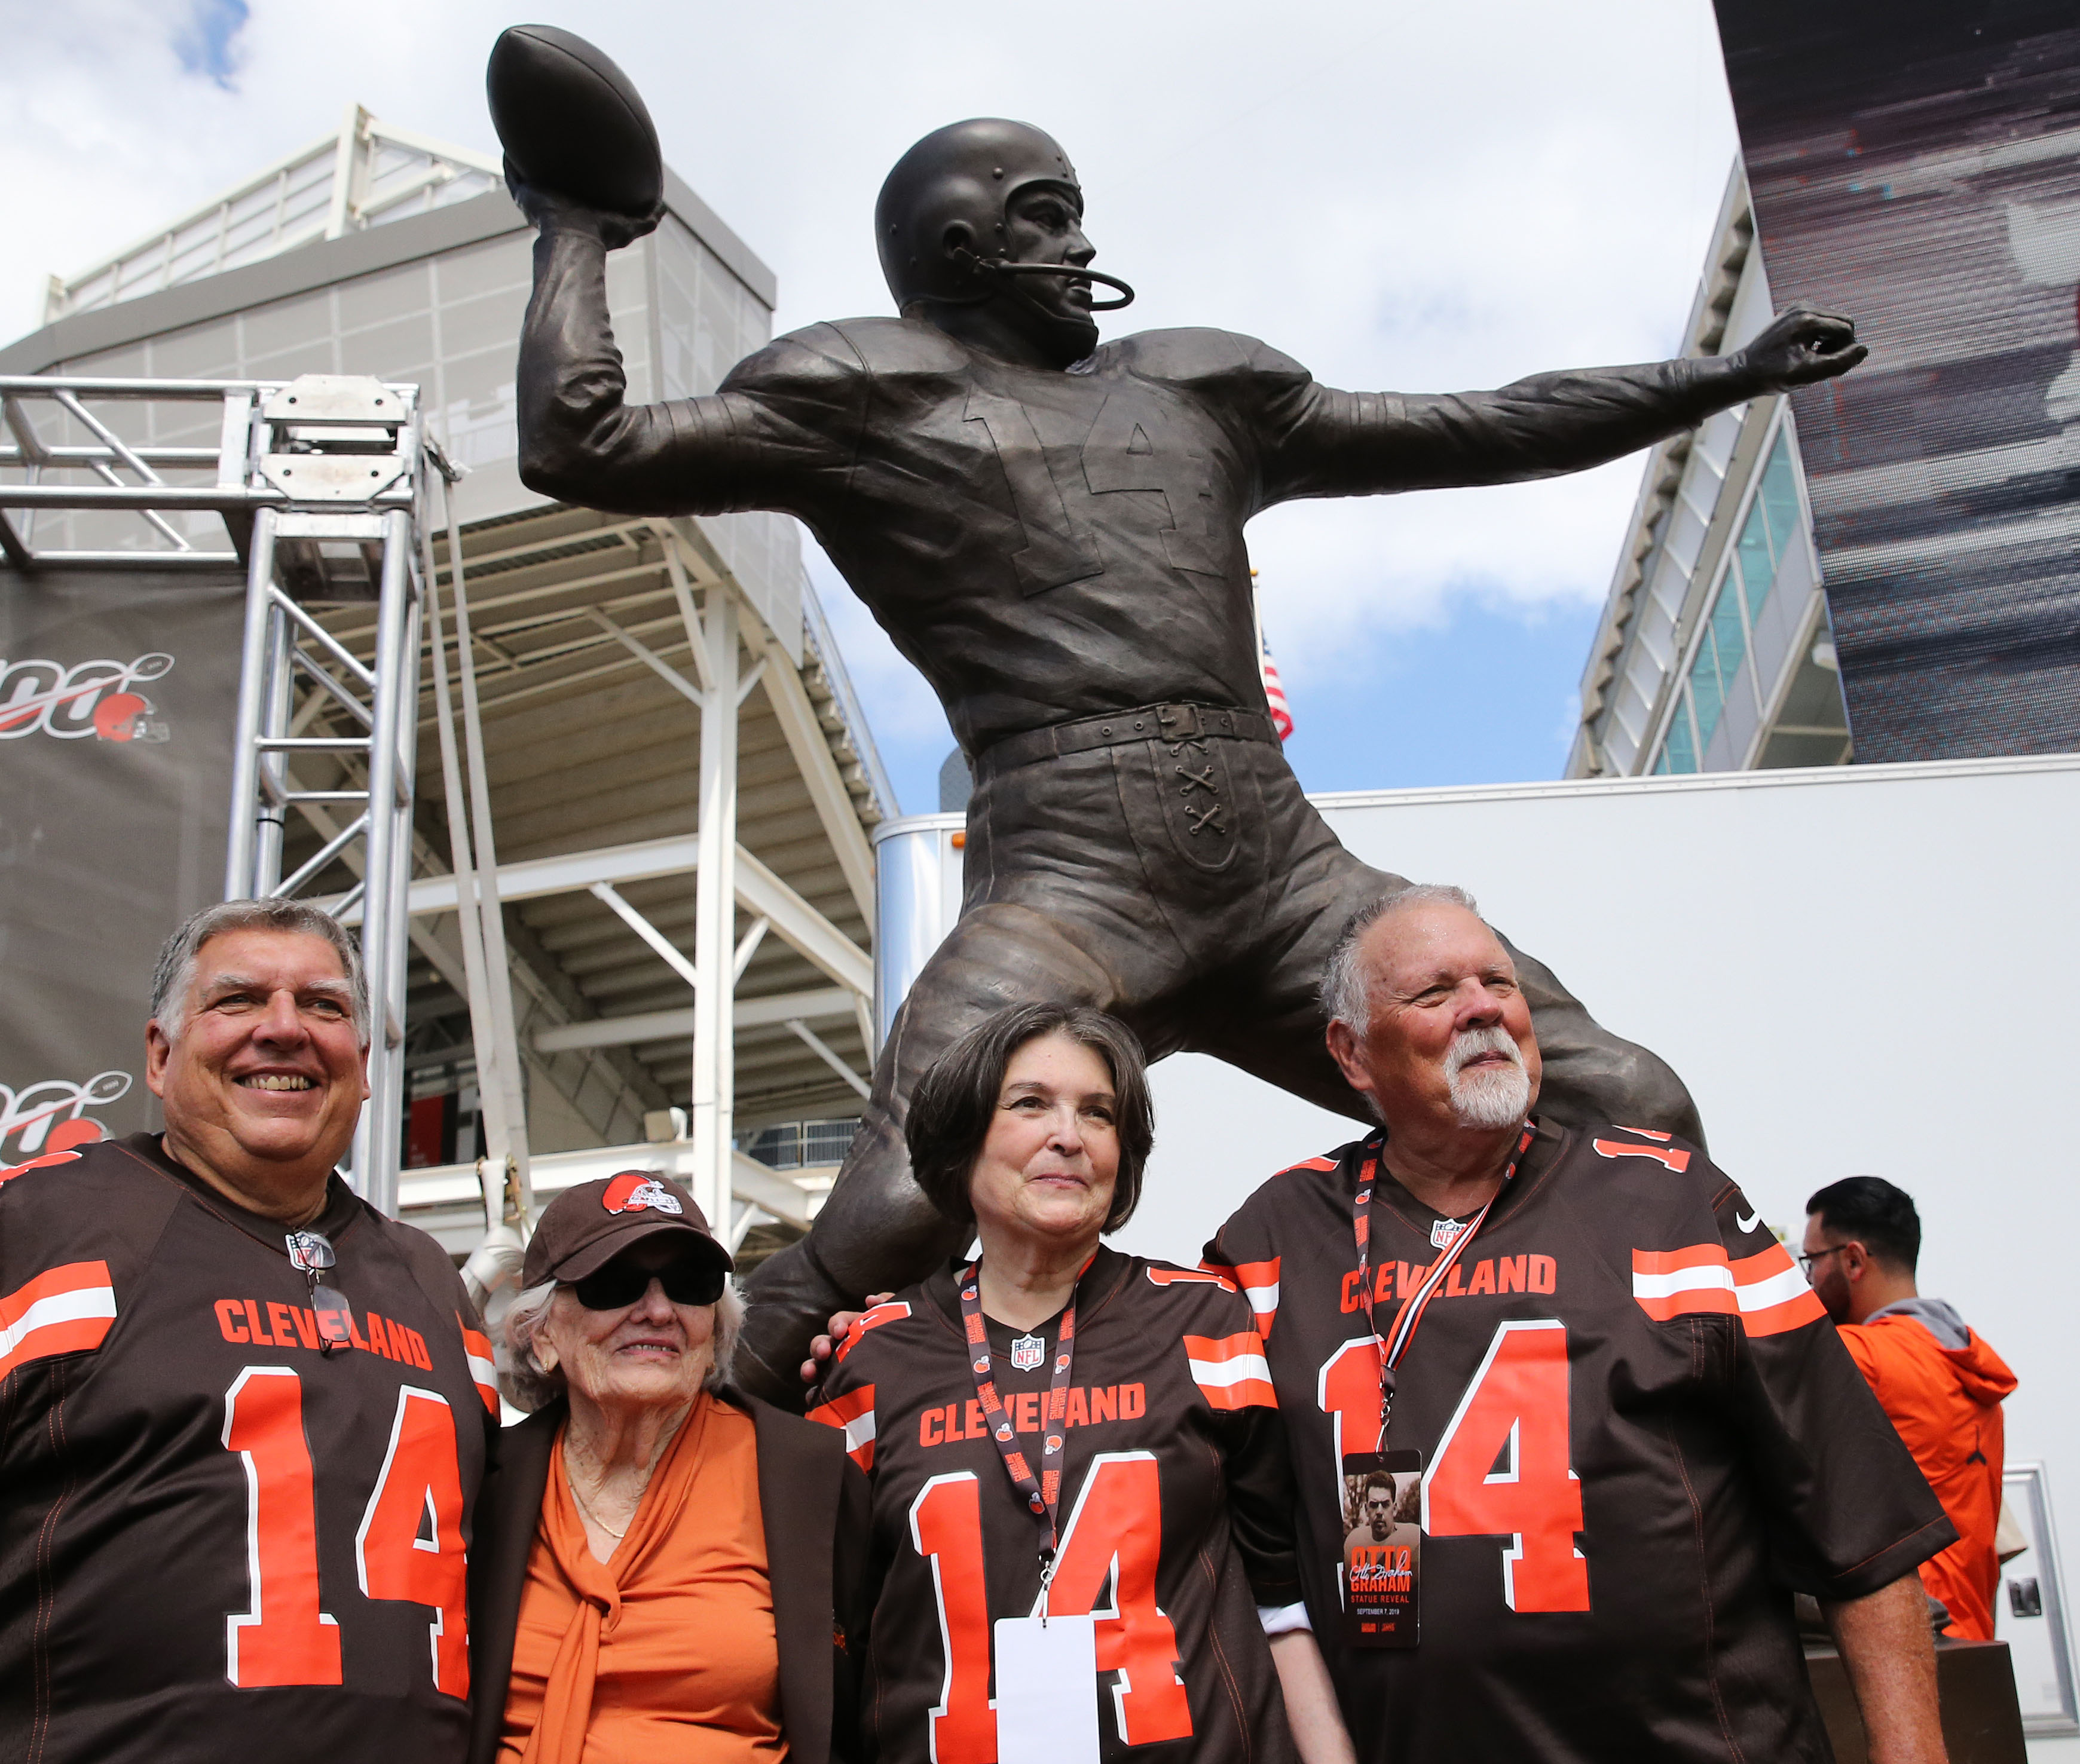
(1109, 1550)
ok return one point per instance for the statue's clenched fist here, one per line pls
(548, 211)
(1799, 347)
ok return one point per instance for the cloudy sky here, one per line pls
(1402, 195)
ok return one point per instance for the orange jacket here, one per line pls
(1946, 1402)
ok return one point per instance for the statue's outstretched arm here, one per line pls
(755, 444)
(1336, 443)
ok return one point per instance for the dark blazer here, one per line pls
(817, 1528)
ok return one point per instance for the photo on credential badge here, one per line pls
(1383, 1556)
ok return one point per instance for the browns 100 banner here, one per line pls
(1915, 164)
(119, 694)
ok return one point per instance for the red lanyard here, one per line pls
(1394, 1343)
(1043, 1495)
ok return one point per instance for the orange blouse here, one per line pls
(666, 1651)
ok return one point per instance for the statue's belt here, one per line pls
(1174, 722)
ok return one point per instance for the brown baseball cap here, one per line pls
(585, 1228)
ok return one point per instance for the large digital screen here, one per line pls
(1915, 165)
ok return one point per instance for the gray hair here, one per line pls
(1345, 997)
(175, 975)
(528, 1384)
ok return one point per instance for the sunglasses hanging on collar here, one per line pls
(312, 1254)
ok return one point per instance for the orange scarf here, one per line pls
(655, 1545)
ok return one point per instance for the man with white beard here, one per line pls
(1637, 1431)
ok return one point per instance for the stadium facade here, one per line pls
(379, 252)
(1715, 652)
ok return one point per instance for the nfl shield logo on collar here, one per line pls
(1445, 1233)
(1027, 1352)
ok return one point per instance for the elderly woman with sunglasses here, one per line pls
(665, 1568)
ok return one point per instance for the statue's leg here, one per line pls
(878, 1232)
(1266, 1018)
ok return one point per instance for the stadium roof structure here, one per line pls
(644, 687)
(367, 174)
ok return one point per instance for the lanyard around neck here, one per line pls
(1043, 1493)
(1394, 1343)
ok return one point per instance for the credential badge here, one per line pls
(1027, 1352)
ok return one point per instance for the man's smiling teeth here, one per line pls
(273, 1081)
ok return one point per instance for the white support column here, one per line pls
(484, 886)
(713, 1125)
(494, 1135)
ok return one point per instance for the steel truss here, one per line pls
(320, 482)
(324, 488)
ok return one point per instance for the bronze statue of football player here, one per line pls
(1051, 530)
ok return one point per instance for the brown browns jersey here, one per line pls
(1640, 1435)
(1175, 1514)
(217, 1541)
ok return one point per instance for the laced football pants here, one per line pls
(1168, 870)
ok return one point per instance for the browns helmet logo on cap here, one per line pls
(633, 1191)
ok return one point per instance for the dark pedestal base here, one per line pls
(1982, 1719)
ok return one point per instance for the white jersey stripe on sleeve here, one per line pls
(1218, 1375)
(64, 1310)
(1771, 1289)
(1665, 1285)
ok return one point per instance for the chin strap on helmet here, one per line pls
(1005, 266)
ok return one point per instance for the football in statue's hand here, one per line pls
(571, 123)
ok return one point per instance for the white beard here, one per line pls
(1489, 1100)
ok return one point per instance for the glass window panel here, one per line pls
(1679, 752)
(1728, 633)
(1780, 498)
(1705, 695)
(1758, 569)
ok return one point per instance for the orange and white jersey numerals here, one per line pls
(1110, 1550)
(410, 1545)
(1502, 1466)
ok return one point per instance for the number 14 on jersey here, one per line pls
(1502, 1463)
(1115, 1536)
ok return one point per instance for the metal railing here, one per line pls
(365, 174)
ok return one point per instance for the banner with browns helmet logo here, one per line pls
(119, 695)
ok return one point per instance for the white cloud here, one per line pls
(1418, 197)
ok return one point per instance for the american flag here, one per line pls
(1282, 713)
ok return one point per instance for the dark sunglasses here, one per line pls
(692, 1279)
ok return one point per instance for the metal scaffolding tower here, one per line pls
(319, 483)
(636, 932)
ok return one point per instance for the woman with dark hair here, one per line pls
(1081, 1499)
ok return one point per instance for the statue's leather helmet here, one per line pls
(963, 172)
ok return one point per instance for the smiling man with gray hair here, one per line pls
(244, 1417)
(1637, 1434)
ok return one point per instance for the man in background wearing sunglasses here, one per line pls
(244, 1417)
